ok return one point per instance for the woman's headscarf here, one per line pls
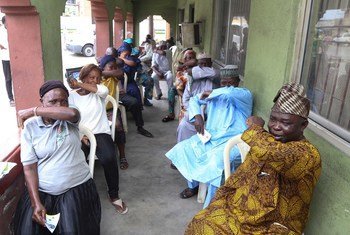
(50, 85)
(124, 47)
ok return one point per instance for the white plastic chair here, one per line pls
(243, 148)
(87, 132)
(140, 87)
(125, 81)
(121, 106)
(114, 115)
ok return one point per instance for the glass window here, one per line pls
(230, 38)
(326, 66)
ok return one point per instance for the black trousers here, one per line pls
(8, 78)
(107, 155)
(79, 208)
(131, 104)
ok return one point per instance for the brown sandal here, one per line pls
(123, 163)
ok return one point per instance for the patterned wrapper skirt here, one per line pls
(79, 208)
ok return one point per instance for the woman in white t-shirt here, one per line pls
(57, 176)
(89, 98)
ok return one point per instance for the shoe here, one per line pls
(146, 102)
(143, 132)
(120, 206)
(168, 118)
(159, 96)
(189, 192)
(12, 103)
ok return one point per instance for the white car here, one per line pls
(82, 44)
(345, 37)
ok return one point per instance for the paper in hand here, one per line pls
(205, 137)
(5, 168)
(52, 221)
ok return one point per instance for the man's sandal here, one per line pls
(189, 192)
(168, 118)
(123, 163)
(120, 206)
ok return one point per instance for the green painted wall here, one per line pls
(144, 8)
(50, 12)
(203, 12)
(269, 56)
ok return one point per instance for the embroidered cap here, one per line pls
(229, 71)
(291, 99)
(203, 56)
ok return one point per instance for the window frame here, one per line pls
(216, 30)
(329, 131)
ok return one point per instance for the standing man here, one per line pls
(5, 57)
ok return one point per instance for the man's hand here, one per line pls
(85, 140)
(23, 115)
(205, 94)
(39, 214)
(199, 124)
(255, 120)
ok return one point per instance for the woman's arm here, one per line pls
(32, 181)
(74, 84)
(127, 61)
(56, 113)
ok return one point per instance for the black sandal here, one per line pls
(189, 192)
(168, 118)
(123, 163)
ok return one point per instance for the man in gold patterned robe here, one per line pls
(270, 193)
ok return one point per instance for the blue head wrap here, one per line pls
(129, 40)
(105, 60)
(124, 47)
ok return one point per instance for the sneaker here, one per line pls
(143, 132)
(146, 102)
(12, 103)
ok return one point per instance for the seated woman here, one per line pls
(271, 192)
(89, 98)
(57, 176)
(189, 61)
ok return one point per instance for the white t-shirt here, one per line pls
(92, 109)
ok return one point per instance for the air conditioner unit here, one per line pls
(191, 34)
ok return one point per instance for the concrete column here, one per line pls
(23, 27)
(100, 14)
(129, 25)
(118, 27)
(151, 26)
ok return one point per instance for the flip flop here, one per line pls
(189, 192)
(167, 118)
(120, 206)
(123, 163)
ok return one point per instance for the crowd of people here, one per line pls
(269, 193)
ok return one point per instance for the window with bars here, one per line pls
(326, 65)
(231, 32)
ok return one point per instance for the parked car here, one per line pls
(345, 37)
(82, 44)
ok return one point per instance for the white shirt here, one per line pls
(92, 109)
(56, 150)
(4, 53)
(161, 61)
